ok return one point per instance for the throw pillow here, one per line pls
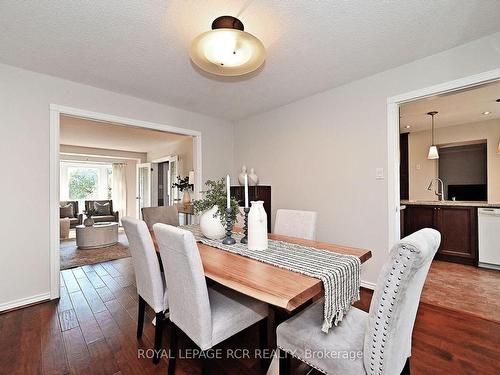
(102, 208)
(66, 211)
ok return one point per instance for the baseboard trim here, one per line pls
(368, 285)
(23, 302)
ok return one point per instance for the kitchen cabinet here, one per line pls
(457, 225)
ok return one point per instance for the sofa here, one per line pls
(69, 209)
(104, 209)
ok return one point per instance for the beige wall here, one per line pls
(111, 156)
(419, 146)
(183, 148)
(321, 153)
(24, 150)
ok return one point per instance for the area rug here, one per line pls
(72, 257)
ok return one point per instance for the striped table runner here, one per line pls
(339, 273)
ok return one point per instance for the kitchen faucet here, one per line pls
(439, 193)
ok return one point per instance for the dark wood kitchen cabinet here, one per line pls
(457, 225)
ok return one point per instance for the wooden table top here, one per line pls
(267, 283)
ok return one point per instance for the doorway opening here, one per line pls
(449, 181)
(104, 168)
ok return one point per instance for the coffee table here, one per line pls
(96, 236)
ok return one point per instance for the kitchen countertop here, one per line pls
(450, 203)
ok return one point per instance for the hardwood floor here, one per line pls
(464, 288)
(92, 330)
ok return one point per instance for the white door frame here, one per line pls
(393, 104)
(138, 196)
(55, 112)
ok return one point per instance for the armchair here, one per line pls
(105, 209)
(75, 218)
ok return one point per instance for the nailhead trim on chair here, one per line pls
(382, 321)
(303, 360)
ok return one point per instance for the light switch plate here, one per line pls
(379, 173)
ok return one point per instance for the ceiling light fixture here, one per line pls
(433, 151)
(486, 112)
(227, 50)
(407, 127)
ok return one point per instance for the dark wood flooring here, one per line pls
(91, 330)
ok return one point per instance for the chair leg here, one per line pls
(158, 336)
(406, 369)
(140, 316)
(284, 362)
(173, 349)
(263, 343)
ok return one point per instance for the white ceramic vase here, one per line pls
(210, 224)
(257, 226)
(241, 176)
(253, 179)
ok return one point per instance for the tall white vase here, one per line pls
(257, 226)
(210, 224)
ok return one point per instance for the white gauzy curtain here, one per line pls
(119, 189)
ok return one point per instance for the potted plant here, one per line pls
(88, 222)
(213, 209)
(183, 185)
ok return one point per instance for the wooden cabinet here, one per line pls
(457, 225)
(255, 193)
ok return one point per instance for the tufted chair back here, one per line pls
(395, 302)
(187, 288)
(146, 267)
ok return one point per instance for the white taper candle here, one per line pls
(246, 190)
(228, 190)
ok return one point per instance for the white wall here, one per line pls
(320, 153)
(24, 150)
(418, 146)
(182, 148)
(111, 156)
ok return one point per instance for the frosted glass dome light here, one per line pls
(227, 50)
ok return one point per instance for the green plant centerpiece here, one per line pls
(215, 195)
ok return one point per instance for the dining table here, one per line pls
(278, 287)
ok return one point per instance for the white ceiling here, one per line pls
(463, 107)
(140, 48)
(87, 133)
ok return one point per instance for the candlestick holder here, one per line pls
(229, 240)
(245, 226)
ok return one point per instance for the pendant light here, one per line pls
(433, 151)
(227, 50)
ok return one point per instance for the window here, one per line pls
(82, 181)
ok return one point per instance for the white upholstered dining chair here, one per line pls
(374, 343)
(295, 223)
(207, 316)
(150, 283)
